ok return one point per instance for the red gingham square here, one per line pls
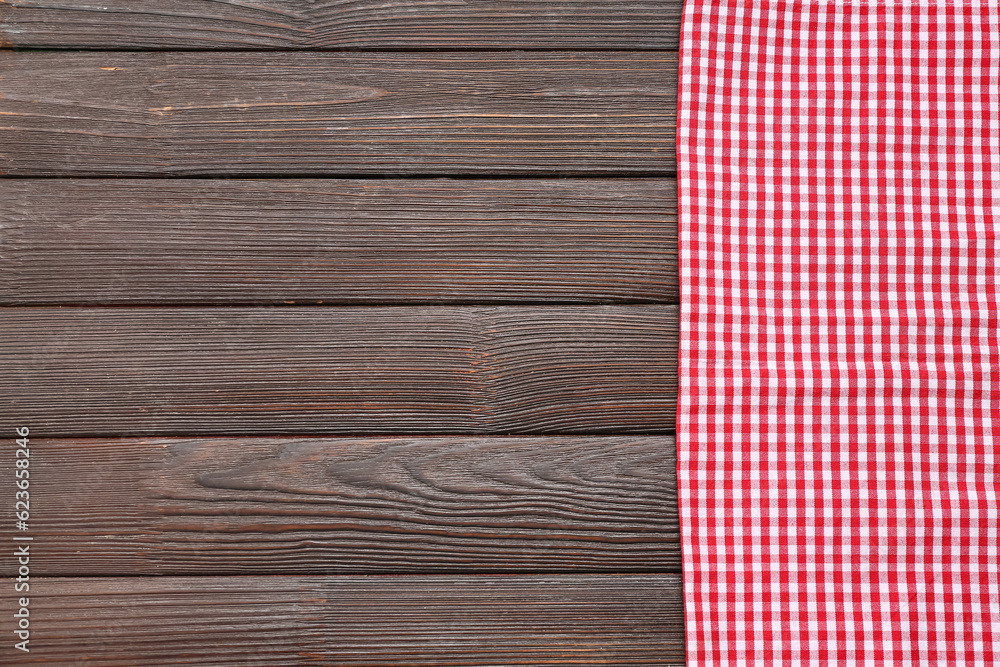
(839, 416)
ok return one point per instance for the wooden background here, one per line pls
(346, 331)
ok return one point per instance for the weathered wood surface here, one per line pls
(183, 345)
(347, 505)
(118, 113)
(401, 620)
(187, 241)
(294, 370)
(324, 24)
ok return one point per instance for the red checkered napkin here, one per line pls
(839, 419)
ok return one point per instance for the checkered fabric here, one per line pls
(839, 417)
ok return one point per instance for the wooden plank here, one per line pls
(355, 620)
(186, 241)
(324, 24)
(290, 370)
(335, 505)
(120, 113)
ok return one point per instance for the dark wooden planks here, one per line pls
(119, 113)
(347, 505)
(356, 24)
(189, 241)
(294, 370)
(411, 620)
(309, 505)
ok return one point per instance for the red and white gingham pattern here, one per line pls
(839, 419)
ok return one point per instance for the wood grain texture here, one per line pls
(354, 620)
(293, 370)
(188, 241)
(346, 505)
(213, 114)
(355, 24)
